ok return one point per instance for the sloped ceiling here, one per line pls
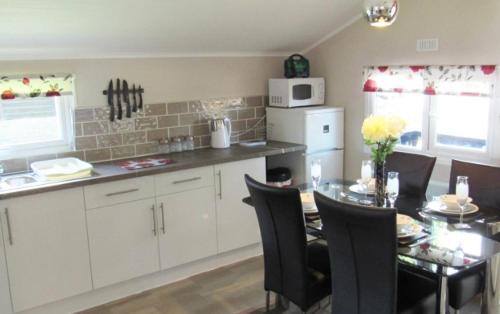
(41, 29)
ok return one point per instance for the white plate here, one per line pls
(407, 226)
(358, 189)
(441, 208)
(409, 230)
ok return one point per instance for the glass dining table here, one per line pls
(440, 249)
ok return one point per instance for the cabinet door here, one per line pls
(187, 226)
(123, 241)
(46, 247)
(237, 224)
(5, 301)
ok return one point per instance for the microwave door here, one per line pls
(301, 94)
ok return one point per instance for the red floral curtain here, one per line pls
(30, 86)
(468, 80)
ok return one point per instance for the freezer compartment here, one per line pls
(324, 130)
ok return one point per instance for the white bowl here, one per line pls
(450, 200)
(307, 199)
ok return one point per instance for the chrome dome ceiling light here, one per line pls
(381, 13)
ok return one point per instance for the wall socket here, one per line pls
(428, 44)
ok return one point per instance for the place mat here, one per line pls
(144, 163)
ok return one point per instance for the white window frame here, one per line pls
(444, 154)
(65, 112)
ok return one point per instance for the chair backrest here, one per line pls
(484, 183)
(414, 172)
(362, 248)
(282, 228)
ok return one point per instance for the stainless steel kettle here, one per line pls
(220, 132)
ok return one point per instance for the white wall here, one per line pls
(164, 79)
(468, 32)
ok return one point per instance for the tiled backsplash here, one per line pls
(98, 139)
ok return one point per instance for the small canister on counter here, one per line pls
(176, 145)
(189, 143)
(164, 146)
(279, 177)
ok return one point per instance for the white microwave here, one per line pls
(296, 92)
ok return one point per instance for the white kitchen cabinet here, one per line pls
(123, 241)
(237, 224)
(5, 302)
(121, 191)
(46, 247)
(187, 226)
(179, 181)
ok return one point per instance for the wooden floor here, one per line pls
(236, 288)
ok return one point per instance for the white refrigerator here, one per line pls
(320, 128)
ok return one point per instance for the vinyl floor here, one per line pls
(233, 289)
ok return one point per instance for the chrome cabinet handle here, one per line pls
(154, 220)
(162, 218)
(187, 180)
(122, 192)
(219, 173)
(9, 231)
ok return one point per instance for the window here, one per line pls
(412, 112)
(34, 124)
(448, 109)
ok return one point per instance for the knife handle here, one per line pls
(140, 98)
(134, 107)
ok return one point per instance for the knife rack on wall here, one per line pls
(123, 92)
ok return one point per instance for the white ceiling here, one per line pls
(40, 29)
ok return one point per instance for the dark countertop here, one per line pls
(109, 171)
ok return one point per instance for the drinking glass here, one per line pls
(462, 192)
(366, 177)
(392, 187)
(316, 173)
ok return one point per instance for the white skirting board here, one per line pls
(138, 285)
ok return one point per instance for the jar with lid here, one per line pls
(188, 143)
(164, 146)
(176, 145)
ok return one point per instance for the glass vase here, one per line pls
(379, 184)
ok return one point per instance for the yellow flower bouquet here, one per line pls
(382, 133)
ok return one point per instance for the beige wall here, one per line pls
(164, 79)
(468, 33)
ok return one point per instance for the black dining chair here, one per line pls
(363, 258)
(414, 172)
(484, 183)
(484, 189)
(293, 268)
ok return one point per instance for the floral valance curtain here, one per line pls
(50, 85)
(468, 80)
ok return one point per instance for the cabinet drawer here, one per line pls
(121, 191)
(184, 180)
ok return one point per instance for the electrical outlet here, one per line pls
(429, 44)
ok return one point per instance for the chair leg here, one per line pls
(268, 301)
